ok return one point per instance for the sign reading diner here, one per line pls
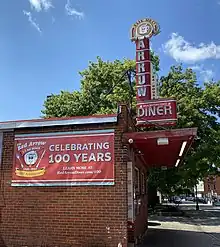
(162, 112)
(150, 109)
(53, 159)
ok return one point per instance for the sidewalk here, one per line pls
(205, 220)
(208, 220)
(193, 229)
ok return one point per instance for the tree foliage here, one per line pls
(198, 106)
(102, 87)
(104, 84)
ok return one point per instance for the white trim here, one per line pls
(143, 73)
(142, 61)
(83, 132)
(57, 122)
(156, 120)
(145, 49)
(62, 184)
(157, 101)
(63, 136)
(64, 180)
(130, 191)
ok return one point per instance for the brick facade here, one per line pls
(212, 184)
(64, 216)
(81, 216)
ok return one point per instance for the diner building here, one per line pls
(80, 181)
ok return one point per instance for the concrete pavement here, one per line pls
(194, 229)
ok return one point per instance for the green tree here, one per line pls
(104, 84)
(198, 106)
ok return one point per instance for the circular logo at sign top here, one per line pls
(145, 28)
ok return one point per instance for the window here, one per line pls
(137, 181)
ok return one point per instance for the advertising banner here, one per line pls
(64, 159)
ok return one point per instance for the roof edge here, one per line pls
(96, 119)
(162, 133)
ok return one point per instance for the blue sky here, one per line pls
(45, 43)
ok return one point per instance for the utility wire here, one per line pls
(129, 74)
(109, 91)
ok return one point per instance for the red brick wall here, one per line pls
(141, 219)
(80, 216)
(212, 185)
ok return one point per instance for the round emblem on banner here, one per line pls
(30, 158)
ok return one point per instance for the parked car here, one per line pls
(201, 200)
(177, 200)
(216, 204)
(190, 198)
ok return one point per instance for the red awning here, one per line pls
(163, 147)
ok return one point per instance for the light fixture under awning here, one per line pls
(162, 141)
(177, 162)
(182, 148)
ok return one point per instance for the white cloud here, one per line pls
(40, 5)
(32, 21)
(72, 11)
(183, 51)
(206, 74)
